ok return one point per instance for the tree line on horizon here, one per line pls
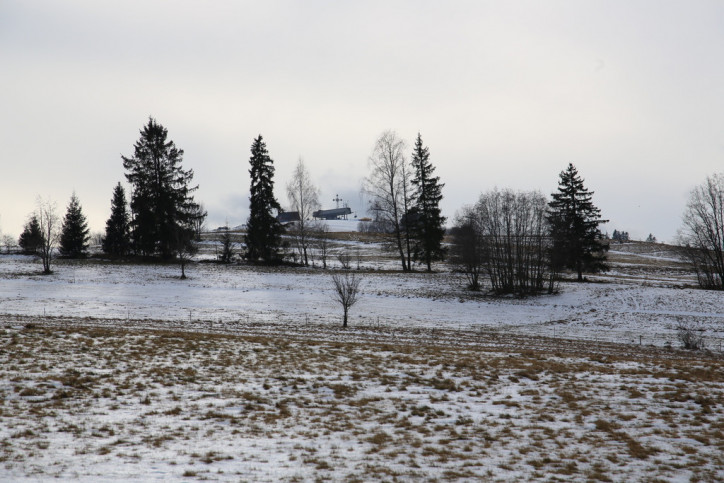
(519, 241)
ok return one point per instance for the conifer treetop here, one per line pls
(74, 236)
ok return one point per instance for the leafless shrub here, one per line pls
(346, 292)
(320, 233)
(376, 226)
(185, 247)
(8, 242)
(505, 237)
(467, 248)
(691, 337)
(345, 259)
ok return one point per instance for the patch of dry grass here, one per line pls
(227, 407)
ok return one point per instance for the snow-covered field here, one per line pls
(631, 304)
(124, 371)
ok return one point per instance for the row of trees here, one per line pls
(163, 216)
(405, 201)
(521, 241)
(514, 238)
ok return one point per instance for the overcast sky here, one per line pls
(504, 93)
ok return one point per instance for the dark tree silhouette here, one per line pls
(31, 238)
(427, 224)
(74, 234)
(161, 198)
(263, 231)
(227, 246)
(577, 242)
(117, 241)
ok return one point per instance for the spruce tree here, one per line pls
(577, 243)
(428, 225)
(74, 235)
(161, 199)
(227, 246)
(117, 241)
(263, 230)
(31, 238)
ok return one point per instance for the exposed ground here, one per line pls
(132, 374)
(92, 404)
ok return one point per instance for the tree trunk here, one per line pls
(46, 264)
(409, 250)
(344, 324)
(399, 247)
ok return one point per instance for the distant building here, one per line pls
(333, 214)
(288, 217)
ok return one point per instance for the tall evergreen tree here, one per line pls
(577, 243)
(74, 235)
(263, 230)
(161, 200)
(31, 238)
(117, 241)
(428, 225)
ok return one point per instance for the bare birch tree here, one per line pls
(50, 229)
(346, 292)
(390, 191)
(303, 198)
(703, 232)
